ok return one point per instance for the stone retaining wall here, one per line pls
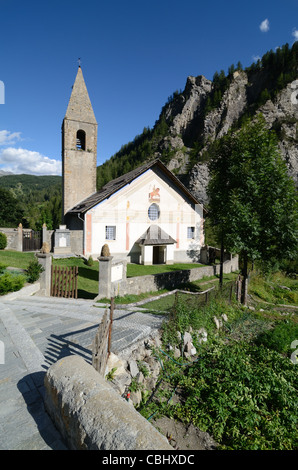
(171, 280)
(91, 415)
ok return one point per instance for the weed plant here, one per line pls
(241, 387)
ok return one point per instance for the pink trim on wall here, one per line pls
(127, 235)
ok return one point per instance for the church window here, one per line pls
(81, 140)
(153, 212)
(110, 232)
(191, 232)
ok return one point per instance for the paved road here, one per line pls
(37, 332)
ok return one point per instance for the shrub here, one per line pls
(280, 338)
(244, 395)
(33, 271)
(89, 261)
(3, 241)
(11, 283)
(2, 268)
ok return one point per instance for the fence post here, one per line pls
(111, 324)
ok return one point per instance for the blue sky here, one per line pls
(134, 55)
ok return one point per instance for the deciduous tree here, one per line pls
(252, 198)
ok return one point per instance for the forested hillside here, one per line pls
(32, 200)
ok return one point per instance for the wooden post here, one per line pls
(111, 323)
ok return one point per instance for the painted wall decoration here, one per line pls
(154, 195)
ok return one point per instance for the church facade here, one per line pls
(146, 216)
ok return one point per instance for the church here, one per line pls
(146, 216)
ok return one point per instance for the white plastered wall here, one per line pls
(127, 210)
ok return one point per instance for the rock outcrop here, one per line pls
(189, 123)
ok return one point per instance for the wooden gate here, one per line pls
(31, 240)
(65, 282)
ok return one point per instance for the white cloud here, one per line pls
(295, 34)
(264, 26)
(9, 138)
(255, 58)
(29, 162)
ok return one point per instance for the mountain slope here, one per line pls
(205, 110)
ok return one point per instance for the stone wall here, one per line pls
(91, 415)
(13, 240)
(169, 280)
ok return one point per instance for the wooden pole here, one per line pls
(111, 324)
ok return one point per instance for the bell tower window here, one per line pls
(81, 140)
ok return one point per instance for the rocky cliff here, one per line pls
(193, 119)
(192, 130)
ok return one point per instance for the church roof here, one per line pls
(79, 106)
(115, 185)
(154, 235)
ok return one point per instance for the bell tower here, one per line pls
(79, 147)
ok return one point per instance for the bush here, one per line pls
(33, 271)
(280, 338)
(242, 394)
(3, 241)
(11, 283)
(2, 268)
(89, 261)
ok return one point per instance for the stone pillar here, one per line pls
(104, 281)
(44, 234)
(20, 238)
(45, 260)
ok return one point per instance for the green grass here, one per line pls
(87, 279)
(276, 288)
(16, 259)
(134, 270)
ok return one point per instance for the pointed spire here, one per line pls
(79, 106)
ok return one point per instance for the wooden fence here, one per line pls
(101, 347)
(64, 282)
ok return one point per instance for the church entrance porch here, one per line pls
(157, 247)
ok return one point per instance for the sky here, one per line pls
(133, 54)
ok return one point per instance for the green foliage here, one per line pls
(275, 288)
(11, 213)
(39, 200)
(279, 338)
(90, 261)
(252, 197)
(33, 271)
(111, 374)
(2, 268)
(10, 282)
(244, 395)
(3, 241)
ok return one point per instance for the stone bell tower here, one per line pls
(79, 147)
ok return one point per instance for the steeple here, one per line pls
(79, 147)
(79, 106)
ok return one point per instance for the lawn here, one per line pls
(16, 259)
(134, 270)
(88, 276)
